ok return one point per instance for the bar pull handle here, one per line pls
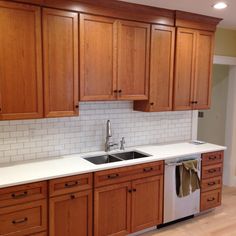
(211, 199)
(148, 169)
(21, 195)
(20, 221)
(71, 184)
(113, 176)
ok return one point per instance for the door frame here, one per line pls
(229, 177)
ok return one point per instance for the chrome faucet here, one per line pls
(109, 143)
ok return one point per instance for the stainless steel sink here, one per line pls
(98, 160)
(130, 155)
(115, 157)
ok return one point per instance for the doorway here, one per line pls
(212, 123)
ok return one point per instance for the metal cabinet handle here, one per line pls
(120, 91)
(211, 183)
(211, 158)
(130, 190)
(77, 106)
(134, 190)
(21, 195)
(152, 103)
(72, 196)
(71, 184)
(212, 171)
(113, 176)
(211, 199)
(20, 221)
(148, 169)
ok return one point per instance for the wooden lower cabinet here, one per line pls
(123, 208)
(71, 214)
(211, 180)
(147, 201)
(112, 210)
(24, 219)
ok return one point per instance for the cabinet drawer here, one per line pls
(211, 184)
(210, 199)
(24, 219)
(70, 184)
(212, 171)
(23, 193)
(212, 158)
(119, 175)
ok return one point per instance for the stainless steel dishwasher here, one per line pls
(175, 207)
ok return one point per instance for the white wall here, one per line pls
(35, 139)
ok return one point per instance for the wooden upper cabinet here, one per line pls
(114, 59)
(60, 42)
(193, 69)
(98, 36)
(184, 68)
(203, 71)
(20, 61)
(133, 60)
(161, 70)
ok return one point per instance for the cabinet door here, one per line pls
(147, 202)
(161, 71)
(133, 60)
(184, 69)
(20, 61)
(161, 74)
(98, 59)
(71, 214)
(112, 206)
(203, 70)
(60, 40)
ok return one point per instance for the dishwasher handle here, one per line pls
(180, 163)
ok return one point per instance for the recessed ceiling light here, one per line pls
(220, 5)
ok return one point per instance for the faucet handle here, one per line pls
(122, 142)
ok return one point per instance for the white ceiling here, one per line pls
(203, 7)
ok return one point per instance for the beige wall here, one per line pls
(225, 42)
(211, 128)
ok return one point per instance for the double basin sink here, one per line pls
(115, 157)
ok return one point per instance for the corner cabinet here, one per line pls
(21, 92)
(60, 47)
(114, 59)
(193, 69)
(161, 71)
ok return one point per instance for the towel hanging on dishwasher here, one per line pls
(187, 179)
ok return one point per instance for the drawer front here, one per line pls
(22, 194)
(24, 219)
(210, 199)
(212, 171)
(70, 184)
(211, 184)
(119, 175)
(212, 158)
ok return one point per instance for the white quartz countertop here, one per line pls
(23, 173)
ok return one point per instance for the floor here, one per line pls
(220, 222)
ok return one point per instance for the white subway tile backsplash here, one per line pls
(42, 138)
